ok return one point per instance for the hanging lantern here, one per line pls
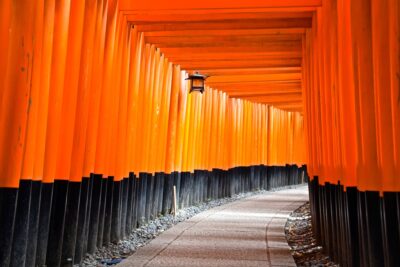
(196, 82)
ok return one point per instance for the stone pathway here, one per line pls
(248, 232)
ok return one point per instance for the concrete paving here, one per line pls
(248, 232)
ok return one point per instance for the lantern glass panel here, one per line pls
(197, 83)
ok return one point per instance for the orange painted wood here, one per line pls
(364, 84)
(172, 120)
(33, 105)
(5, 21)
(241, 40)
(133, 87)
(137, 17)
(394, 48)
(219, 33)
(87, 68)
(113, 102)
(45, 72)
(95, 91)
(58, 66)
(70, 94)
(15, 89)
(102, 141)
(139, 5)
(121, 113)
(380, 24)
(228, 24)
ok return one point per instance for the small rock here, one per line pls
(301, 239)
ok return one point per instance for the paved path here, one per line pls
(248, 232)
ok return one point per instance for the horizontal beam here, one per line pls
(250, 92)
(236, 32)
(275, 96)
(188, 15)
(231, 56)
(254, 78)
(290, 105)
(229, 49)
(201, 50)
(271, 44)
(198, 66)
(252, 71)
(290, 84)
(227, 25)
(272, 100)
(255, 89)
(184, 41)
(294, 107)
(212, 4)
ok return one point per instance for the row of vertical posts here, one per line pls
(352, 94)
(356, 228)
(352, 120)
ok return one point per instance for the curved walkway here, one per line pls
(248, 232)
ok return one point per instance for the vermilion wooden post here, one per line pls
(394, 15)
(38, 170)
(71, 80)
(133, 82)
(27, 171)
(121, 112)
(15, 90)
(5, 22)
(138, 156)
(154, 134)
(102, 143)
(54, 125)
(364, 85)
(138, 103)
(94, 86)
(172, 121)
(60, 43)
(86, 117)
(62, 171)
(86, 72)
(32, 122)
(383, 108)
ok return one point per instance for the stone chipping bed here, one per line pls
(298, 229)
(114, 253)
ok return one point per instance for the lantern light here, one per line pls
(197, 82)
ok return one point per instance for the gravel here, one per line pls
(305, 250)
(115, 253)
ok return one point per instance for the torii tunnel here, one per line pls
(97, 123)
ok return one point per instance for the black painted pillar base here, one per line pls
(46, 200)
(56, 228)
(116, 212)
(356, 228)
(167, 194)
(8, 207)
(390, 229)
(95, 204)
(33, 227)
(124, 205)
(82, 221)
(108, 206)
(142, 199)
(71, 224)
(20, 237)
